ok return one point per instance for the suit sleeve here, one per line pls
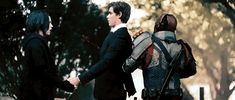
(114, 51)
(42, 69)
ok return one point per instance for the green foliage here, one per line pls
(12, 23)
(79, 29)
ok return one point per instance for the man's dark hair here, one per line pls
(37, 20)
(122, 7)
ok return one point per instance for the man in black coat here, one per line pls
(39, 77)
(111, 82)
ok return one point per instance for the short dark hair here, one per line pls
(37, 20)
(122, 7)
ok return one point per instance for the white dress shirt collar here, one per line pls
(117, 27)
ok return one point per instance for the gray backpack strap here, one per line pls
(141, 43)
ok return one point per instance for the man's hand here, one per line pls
(74, 81)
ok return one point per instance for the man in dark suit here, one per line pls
(111, 82)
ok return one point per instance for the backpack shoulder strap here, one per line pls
(163, 49)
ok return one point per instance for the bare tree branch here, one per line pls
(231, 91)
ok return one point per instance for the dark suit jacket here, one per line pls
(108, 70)
(39, 76)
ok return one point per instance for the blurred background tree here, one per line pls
(80, 27)
(208, 26)
(11, 31)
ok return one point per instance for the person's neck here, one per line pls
(113, 29)
(117, 22)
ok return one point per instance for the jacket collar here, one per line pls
(118, 26)
(31, 36)
(166, 36)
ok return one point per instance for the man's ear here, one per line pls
(120, 14)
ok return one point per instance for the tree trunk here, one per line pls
(223, 92)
